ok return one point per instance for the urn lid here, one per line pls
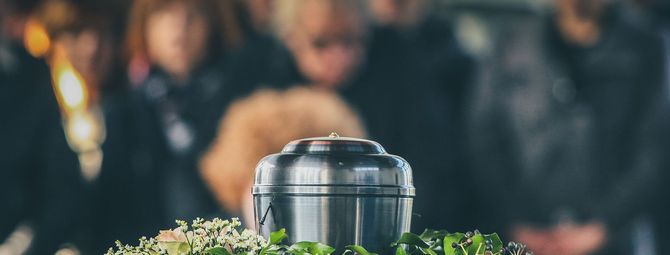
(334, 165)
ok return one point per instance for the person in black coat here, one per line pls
(568, 121)
(157, 129)
(448, 71)
(40, 180)
(177, 105)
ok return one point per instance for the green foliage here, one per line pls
(274, 246)
(310, 248)
(217, 251)
(431, 234)
(411, 239)
(441, 242)
(495, 241)
(358, 250)
(449, 240)
(400, 251)
(223, 237)
(277, 236)
(175, 247)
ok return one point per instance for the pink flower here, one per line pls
(173, 241)
(175, 235)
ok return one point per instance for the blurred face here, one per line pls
(581, 9)
(88, 54)
(260, 12)
(177, 37)
(396, 12)
(327, 45)
(577, 20)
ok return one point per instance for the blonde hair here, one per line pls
(261, 125)
(287, 13)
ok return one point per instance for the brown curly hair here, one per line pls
(261, 125)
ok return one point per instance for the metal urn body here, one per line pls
(337, 191)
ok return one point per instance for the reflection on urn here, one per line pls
(334, 190)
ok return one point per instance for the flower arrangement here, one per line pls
(226, 237)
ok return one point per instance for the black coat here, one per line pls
(150, 175)
(446, 188)
(40, 181)
(566, 132)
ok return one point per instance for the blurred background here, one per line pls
(542, 120)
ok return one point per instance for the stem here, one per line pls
(190, 244)
(480, 246)
(463, 248)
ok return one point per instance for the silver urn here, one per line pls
(334, 190)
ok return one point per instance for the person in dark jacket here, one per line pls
(433, 42)
(157, 131)
(40, 180)
(567, 122)
(448, 72)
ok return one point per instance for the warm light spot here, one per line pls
(82, 128)
(36, 39)
(71, 88)
(82, 119)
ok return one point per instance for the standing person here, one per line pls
(179, 50)
(433, 42)
(40, 181)
(448, 70)
(567, 120)
(88, 40)
(659, 13)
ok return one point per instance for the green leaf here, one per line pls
(452, 238)
(277, 236)
(431, 234)
(400, 251)
(478, 246)
(272, 249)
(175, 248)
(299, 248)
(321, 249)
(496, 241)
(411, 239)
(360, 250)
(313, 248)
(218, 250)
(427, 251)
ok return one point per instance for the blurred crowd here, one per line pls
(544, 121)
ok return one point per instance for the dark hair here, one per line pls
(224, 29)
(71, 16)
(22, 7)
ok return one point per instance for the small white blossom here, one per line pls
(196, 239)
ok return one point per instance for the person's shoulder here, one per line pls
(27, 75)
(629, 30)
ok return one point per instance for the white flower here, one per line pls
(201, 236)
